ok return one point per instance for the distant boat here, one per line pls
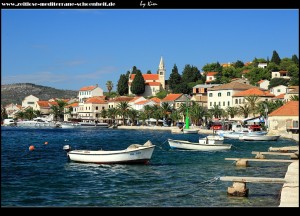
(190, 131)
(186, 145)
(37, 122)
(134, 154)
(250, 137)
(94, 124)
(67, 125)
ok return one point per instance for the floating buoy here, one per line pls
(46, 143)
(31, 148)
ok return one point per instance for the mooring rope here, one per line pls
(210, 181)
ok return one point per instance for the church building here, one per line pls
(153, 82)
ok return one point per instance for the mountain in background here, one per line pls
(15, 93)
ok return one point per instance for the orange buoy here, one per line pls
(46, 143)
(31, 148)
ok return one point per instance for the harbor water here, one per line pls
(173, 178)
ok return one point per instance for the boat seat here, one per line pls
(134, 146)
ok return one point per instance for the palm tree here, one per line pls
(142, 116)
(148, 111)
(157, 113)
(103, 114)
(29, 113)
(245, 110)
(175, 116)
(112, 113)
(20, 115)
(123, 107)
(252, 102)
(232, 111)
(109, 86)
(132, 115)
(216, 111)
(197, 113)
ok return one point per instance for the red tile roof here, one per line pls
(254, 91)
(211, 73)
(155, 99)
(261, 81)
(171, 97)
(281, 96)
(291, 108)
(87, 88)
(121, 98)
(72, 105)
(153, 83)
(231, 86)
(134, 99)
(147, 76)
(95, 100)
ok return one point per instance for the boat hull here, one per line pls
(190, 131)
(140, 155)
(186, 145)
(259, 138)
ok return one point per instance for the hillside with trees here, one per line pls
(15, 93)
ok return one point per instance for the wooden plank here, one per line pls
(261, 160)
(253, 179)
(286, 148)
(272, 153)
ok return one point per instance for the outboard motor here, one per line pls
(67, 148)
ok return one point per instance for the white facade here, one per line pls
(29, 101)
(262, 65)
(277, 90)
(280, 74)
(222, 98)
(88, 92)
(264, 84)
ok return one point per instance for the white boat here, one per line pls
(67, 125)
(134, 154)
(211, 139)
(190, 131)
(251, 137)
(186, 145)
(94, 124)
(238, 134)
(37, 122)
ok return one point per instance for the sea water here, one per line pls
(173, 178)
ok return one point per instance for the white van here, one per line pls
(9, 122)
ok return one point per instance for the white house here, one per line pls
(12, 109)
(262, 65)
(222, 95)
(263, 84)
(88, 92)
(29, 101)
(291, 91)
(280, 74)
(277, 90)
(210, 76)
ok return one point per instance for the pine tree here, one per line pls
(138, 84)
(275, 58)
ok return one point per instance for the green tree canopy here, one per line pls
(278, 81)
(149, 72)
(295, 60)
(122, 86)
(175, 78)
(238, 64)
(275, 58)
(190, 74)
(138, 84)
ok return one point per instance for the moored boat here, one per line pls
(211, 139)
(251, 137)
(186, 145)
(134, 154)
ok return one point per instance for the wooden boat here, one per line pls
(181, 144)
(252, 137)
(134, 154)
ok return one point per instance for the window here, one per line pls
(236, 101)
(219, 103)
(210, 94)
(223, 103)
(219, 94)
(228, 93)
(214, 103)
(240, 101)
(96, 107)
(278, 90)
(228, 103)
(295, 124)
(210, 104)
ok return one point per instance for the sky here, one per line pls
(72, 48)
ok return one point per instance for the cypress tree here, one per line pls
(175, 78)
(138, 84)
(122, 86)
